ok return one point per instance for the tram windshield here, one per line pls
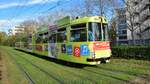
(96, 33)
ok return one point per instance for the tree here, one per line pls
(104, 7)
(10, 40)
(3, 37)
(86, 8)
(112, 32)
(89, 6)
(130, 15)
(29, 26)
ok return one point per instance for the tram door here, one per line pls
(53, 51)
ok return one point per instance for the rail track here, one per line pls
(68, 71)
(40, 69)
(23, 71)
(87, 70)
(27, 75)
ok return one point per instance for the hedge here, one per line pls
(136, 52)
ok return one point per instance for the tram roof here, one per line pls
(89, 19)
(52, 27)
(42, 29)
(68, 21)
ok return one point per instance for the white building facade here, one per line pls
(17, 30)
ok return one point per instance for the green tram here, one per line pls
(40, 41)
(82, 40)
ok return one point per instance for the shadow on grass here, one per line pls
(58, 61)
(108, 75)
(134, 57)
(77, 65)
(120, 71)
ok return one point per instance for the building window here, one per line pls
(122, 21)
(122, 37)
(122, 26)
(124, 31)
(119, 32)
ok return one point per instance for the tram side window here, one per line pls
(78, 33)
(29, 38)
(105, 31)
(45, 37)
(61, 35)
(39, 38)
(52, 38)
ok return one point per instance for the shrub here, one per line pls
(136, 52)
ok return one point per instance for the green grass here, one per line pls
(118, 71)
(13, 73)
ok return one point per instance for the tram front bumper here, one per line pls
(97, 59)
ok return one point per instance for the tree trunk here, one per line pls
(133, 40)
(141, 38)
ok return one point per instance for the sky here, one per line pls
(13, 12)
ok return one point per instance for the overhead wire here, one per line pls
(57, 5)
(18, 14)
(9, 19)
(31, 8)
(39, 13)
(45, 13)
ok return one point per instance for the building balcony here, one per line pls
(122, 35)
(122, 39)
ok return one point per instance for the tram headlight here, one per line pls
(93, 54)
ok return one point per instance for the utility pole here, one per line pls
(101, 7)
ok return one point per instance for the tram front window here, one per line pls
(96, 33)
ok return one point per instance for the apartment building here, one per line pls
(121, 26)
(17, 30)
